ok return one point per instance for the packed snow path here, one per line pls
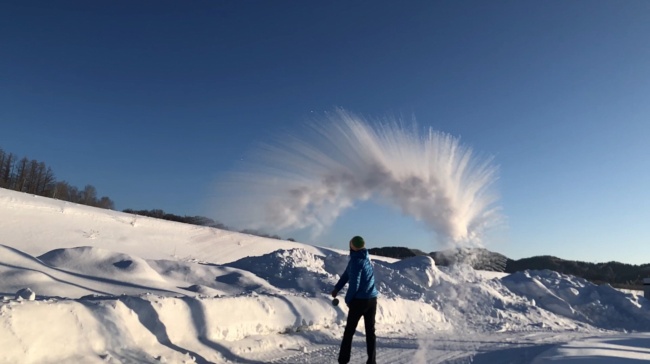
(487, 348)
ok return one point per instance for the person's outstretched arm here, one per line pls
(341, 283)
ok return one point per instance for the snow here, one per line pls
(113, 287)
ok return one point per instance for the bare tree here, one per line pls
(106, 203)
(7, 170)
(62, 191)
(48, 182)
(21, 177)
(74, 194)
(38, 179)
(2, 163)
(32, 177)
(89, 195)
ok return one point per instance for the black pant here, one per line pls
(358, 308)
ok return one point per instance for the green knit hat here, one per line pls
(357, 243)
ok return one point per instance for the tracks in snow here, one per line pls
(489, 348)
(389, 350)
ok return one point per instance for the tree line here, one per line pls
(35, 177)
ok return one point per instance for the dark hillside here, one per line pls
(396, 252)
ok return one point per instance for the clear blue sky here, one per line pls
(152, 102)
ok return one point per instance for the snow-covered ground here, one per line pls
(119, 288)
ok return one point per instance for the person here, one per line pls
(361, 299)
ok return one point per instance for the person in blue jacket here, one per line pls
(361, 299)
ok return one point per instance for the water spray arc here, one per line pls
(308, 182)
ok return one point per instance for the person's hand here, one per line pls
(334, 293)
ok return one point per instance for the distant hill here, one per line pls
(617, 274)
(478, 258)
(396, 252)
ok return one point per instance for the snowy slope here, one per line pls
(37, 225)
(114, 287)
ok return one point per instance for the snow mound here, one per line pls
(19, 270)
(411, 278)
(299, 270)
(78, 279)
(293, 269)
(420, 269)
(97, 262)
(576, 298)
(213, 279)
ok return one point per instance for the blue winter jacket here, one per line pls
(360, 275)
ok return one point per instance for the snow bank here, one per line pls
(576, 298)
(154, 326)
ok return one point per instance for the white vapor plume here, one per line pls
(308, 182)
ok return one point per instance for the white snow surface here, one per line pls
(113, 287)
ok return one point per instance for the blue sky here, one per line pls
(154, 102)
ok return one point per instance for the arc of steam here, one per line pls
(308, 183)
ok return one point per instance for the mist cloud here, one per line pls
(300, 183)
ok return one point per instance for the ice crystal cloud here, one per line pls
(308, 182)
